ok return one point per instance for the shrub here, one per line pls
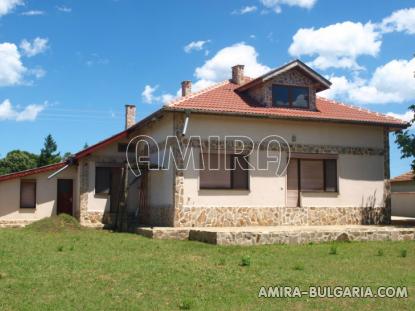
(246, 261)
(404, 253)
(333, 250)
(380, 252)
(60, 248)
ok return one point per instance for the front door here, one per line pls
(65, 196)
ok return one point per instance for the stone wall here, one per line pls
(276, 216)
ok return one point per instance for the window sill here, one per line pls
(319, 191)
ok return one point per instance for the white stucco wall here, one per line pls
(360, 177)
(46, 194)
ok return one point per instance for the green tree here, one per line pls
(16, 161)
(406, 141)
(48, 154)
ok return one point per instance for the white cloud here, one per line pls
(218, 68)
(390, 83)
(401, 20)
(407, 116)
(6, 6)
(37, 46)
(29, 113)
(12, 69)
(245, 10)
(195, 46)
(33, 13)
(275, 5)
(64, 9)
(337, 45)
(148, 95)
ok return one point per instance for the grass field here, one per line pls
(80, 269)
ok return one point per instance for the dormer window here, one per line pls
(290, 96)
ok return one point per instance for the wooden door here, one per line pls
(293, 194)
(65, 196)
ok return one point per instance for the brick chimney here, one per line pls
(238, 74)
(186, 88)
(129, 116)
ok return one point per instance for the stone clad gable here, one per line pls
(262, 94)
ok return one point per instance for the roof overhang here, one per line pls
(321, 83)
(390, 126)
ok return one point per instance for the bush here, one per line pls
(246, 261)
(380, 252)
(404, 253)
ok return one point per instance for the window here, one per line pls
(316, 175)
(103, 180)
(217, 177)
(290, 96)
(28, 193)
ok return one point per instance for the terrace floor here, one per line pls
(281, 234)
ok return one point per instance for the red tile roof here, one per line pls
(409, 176)
(33, 171)
(222, 98)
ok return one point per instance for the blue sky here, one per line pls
(69, 67)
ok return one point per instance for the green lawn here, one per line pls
(88, 269)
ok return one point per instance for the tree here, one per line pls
(48, 154)
(406, 142)
(16, 161)
(86, 145)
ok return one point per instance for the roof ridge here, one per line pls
(360, 108)
(192, 95)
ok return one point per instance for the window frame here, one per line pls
(324, 175)
(232, 187)
(27, 181)
(290, 99)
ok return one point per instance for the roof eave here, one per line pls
(391, 126)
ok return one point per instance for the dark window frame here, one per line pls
(336, 190)
(232, 186)
(27, 181)
(290, 97)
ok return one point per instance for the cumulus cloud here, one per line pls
(6, 6)
(33, 13)
(195, 46)
(337, 45)
(245, 10)
(37, 46)
(390, 83)
(218, 67)
(275, 5)
(148, 95)
(401, 20)
(29, 113)
(12, 69)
